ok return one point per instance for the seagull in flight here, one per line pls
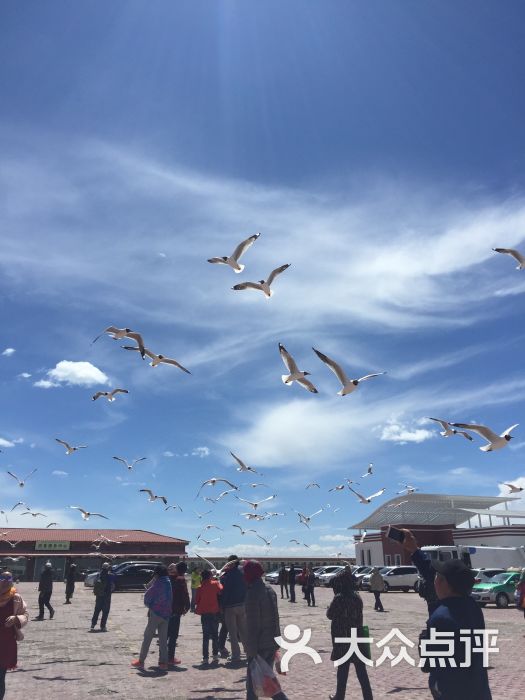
(35, 515)
(254, 516)
(494, 441)
(20, 503)
(339, 487)
(158, 359)
(513, 488)
(21, 482)
(349, 385)
(243, 532)
(12, 544)
(407, 489)
(216, 539)
(110, 395)
(305, 519)
(262, 285)
(266, 542)
(233, 259)
(254, 486)
(130, 465)
(369, 471)
(69, 448)
(51, 525)
(520, 259)
(294, 373)
(86, 515)
(174, 506)
(214, 480)
(153, 497)
(396, 505)
(367, 499)
(120, 333)
(312, 484)
(448, 431)
(242, 466)
(256, 504)
(201, 515)
(362, 538)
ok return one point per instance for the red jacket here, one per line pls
(181, 599)
(207, 597)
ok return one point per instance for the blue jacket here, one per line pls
(234, 588)
(453, 615)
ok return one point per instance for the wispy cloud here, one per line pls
(8, 352)
(200, 452)
(401, 433)
(59, 472)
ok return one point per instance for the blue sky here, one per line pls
(376, 146)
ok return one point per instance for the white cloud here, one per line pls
(168, 453)
(8, 352)
(45, 384)
(401, 433)
(336, 538)
(24, 375)
(6, 443)
(59, 472)
(200, 452)
(72, 373)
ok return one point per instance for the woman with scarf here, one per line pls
(346, 613)
(158, 600)
(13, 616)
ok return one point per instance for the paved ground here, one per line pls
(62, 658)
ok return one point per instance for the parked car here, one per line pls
(326, 577)
(499, 590)
(325, 570)
(128, 575)
(272, 577)
(485, 575)
(360, 573)
(396, 578)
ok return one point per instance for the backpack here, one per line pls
(99, 588)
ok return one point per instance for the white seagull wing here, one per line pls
(482, 430)
(336, 369)
(369, 376)
(243, 247)
(277, 271)
(288, 360)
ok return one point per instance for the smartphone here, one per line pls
(394, 534)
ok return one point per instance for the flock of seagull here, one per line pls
(494, 441)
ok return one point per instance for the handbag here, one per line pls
(264, 680)
(364, 647)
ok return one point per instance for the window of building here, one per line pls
(388, 560)
(397, 559)
(362, 557)
(368, 557)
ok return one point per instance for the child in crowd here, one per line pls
(207, 606)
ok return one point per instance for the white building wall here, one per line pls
(513, 536)
(370, 552)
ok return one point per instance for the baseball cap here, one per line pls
(457, 574)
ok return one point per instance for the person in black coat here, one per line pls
(45, 591)
(291, 583)
(70, 583)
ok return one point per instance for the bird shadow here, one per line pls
(55, 678)
(402, 689)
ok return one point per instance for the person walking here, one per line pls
(158, 599)
(262, 622)
(232, 603)
(45, 591)
(520, 593)
(102, 589)
(70, 583)
(180, 604)
(13, 616)
(377, 586)
(195, 583)
(461, 618)
(283, 579)
(309, 587)
(207, 606)
(291, 583)
(346, 613)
